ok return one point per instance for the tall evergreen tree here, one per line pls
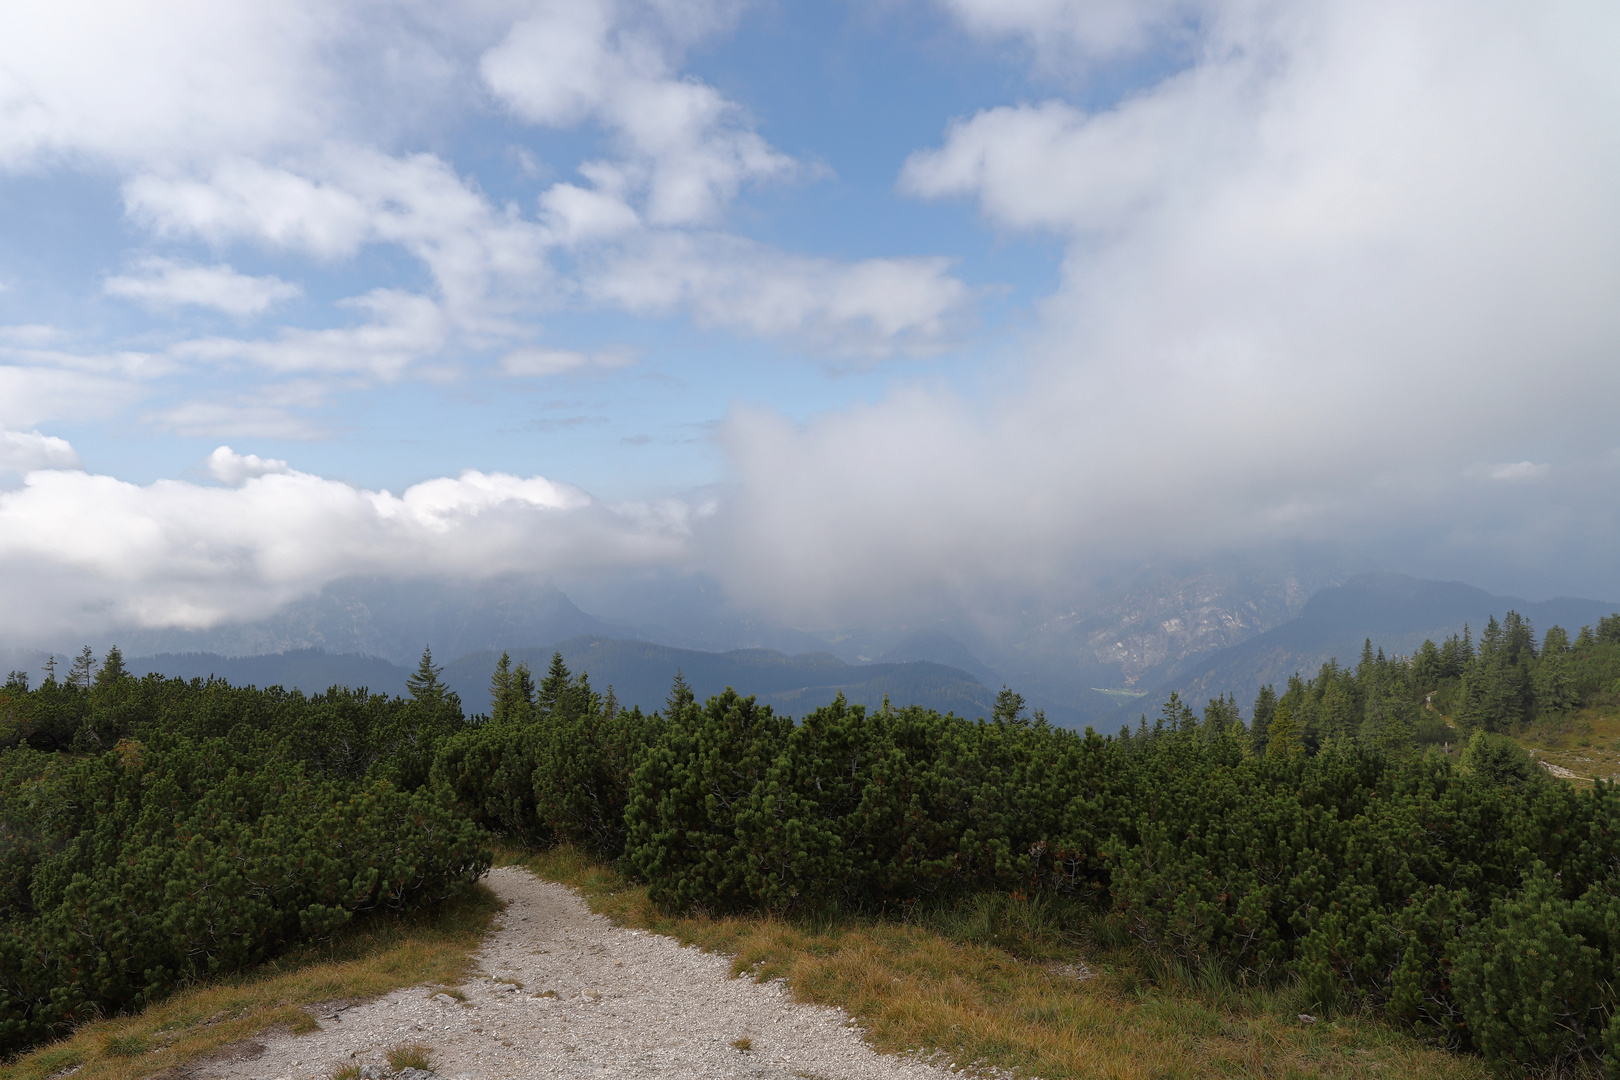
(1553, 682)
(83, 665)
(523, 689)
(425, 685)
(680, 696)
(1221, 716)
(1608, 629)
(1284, 739)
(555, 684)
(112, 668)
(1265, 708)
(1009, 707)
(500, 687)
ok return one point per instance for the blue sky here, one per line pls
(847, 93)
(864, 309)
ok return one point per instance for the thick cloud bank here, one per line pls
(1347, 275)
(93, 553)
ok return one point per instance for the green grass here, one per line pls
(985, 980)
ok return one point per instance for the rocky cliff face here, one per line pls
(1136, 635)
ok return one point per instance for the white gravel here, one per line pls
(628, 1004)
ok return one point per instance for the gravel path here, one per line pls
(628, 1004)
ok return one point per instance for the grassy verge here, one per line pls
(1585, 743)
(364, 961)
(990, 981)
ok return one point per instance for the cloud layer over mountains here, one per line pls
(1336, 278)
(1331, 272)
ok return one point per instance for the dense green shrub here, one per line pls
(133, 869)
(552, 764)
(1535, 978)
(156, 830)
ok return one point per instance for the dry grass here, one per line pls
(1586, 743)
(410, 1056)
(223, 1016)
(984, 984)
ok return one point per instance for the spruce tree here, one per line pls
(1009, 707)
(112, 668)
(1553, 682)
(680, 696)
(500, 688)
(1284, 740)
(522, 691)
(1608, 629)
(425, 686)
(554, 685)
(1265, 708)
(80, 673)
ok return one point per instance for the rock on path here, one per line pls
(627, 1004)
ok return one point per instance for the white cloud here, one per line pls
(32, 394)
(576, 214)
(873, 307)
(686, 148)
(346, 196)
(1517, 471)
(404, 329)
(241, 198)
(133, 81)
(29, 335)
(235, 420)
(229, 467)
(1309, 281)
(1114, 166)
(25, 451)
(166, 283)
(540, 363)
(1058, 29)
(86, 553)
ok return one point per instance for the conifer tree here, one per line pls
(1265, 708)
(112, 668)
(1221, 716)
(1608, 629)
(80, 673)
(1284, 740)
(680, 696)
(554, 685)
(1009, 708)
(500, 687)
(1553, 681)
(522, 691)
(1175, 716)
(425, 686)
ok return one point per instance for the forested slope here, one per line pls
(1395, 611)
(639, 673)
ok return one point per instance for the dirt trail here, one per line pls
(628, 1004)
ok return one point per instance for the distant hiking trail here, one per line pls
(628, 1004)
